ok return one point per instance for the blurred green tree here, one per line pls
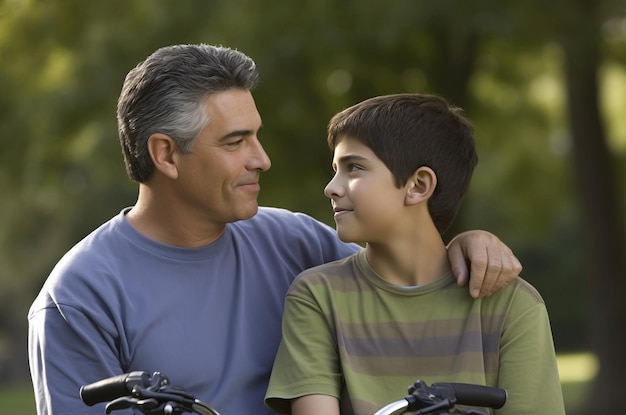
(525, 72)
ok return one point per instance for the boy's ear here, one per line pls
(421, 185)
(164, 153)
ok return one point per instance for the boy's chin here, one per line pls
(346, 237)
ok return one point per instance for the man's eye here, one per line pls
(234, 143)
(353, 167)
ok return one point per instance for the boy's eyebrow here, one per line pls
(350, 157)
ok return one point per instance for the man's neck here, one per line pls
(167, 222)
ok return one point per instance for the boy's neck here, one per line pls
(418, 260)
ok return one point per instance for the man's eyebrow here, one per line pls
(239, 133)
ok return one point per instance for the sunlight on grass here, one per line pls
(613, 102)
(577, 367)
(576, 371)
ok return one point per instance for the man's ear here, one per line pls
(164, 153)
(421, 185)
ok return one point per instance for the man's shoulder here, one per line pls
(91, 255)
(278, 215)
(95, 245)
(278, 221)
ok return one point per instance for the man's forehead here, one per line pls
(233, 110)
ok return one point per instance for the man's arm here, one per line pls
(63, 358)
(315, 405)
(492, 264)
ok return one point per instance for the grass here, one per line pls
(576, 371)
(17, 400)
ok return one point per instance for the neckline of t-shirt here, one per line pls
(201, 253)
(372, 276)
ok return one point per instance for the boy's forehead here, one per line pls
(348, 147)
(343, 138)
(349, 141)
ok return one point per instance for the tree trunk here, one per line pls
(604, 228)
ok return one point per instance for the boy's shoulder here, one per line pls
(340, 267)
(527, 289)
(331, 274)
(519, 293)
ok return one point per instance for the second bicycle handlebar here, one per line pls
(442, 396)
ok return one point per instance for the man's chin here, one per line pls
(247, 213)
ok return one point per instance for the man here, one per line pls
(191, 280)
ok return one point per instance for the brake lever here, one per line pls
(120, 403)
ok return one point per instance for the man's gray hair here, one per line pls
(165, 94)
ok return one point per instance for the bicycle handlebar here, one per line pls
(153, 394)
(109, 389)
(475, 395)
(444, 396)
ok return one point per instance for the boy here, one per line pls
(358, 331)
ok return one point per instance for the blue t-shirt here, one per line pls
(208, 318)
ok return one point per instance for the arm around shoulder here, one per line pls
(492, 264)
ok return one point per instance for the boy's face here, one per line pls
(367, 204)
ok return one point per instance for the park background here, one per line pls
(543, 82)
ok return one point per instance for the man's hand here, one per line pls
(492, 263)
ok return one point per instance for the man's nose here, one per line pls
(259, 160)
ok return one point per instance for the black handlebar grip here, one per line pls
(108, 389)
(477, 395)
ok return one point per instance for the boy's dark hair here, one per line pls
(408, 131)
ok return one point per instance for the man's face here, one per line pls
(219, 179)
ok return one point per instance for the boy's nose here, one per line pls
(332, 188)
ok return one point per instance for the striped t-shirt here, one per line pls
(349, 333)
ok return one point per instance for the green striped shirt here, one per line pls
(349, 333)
